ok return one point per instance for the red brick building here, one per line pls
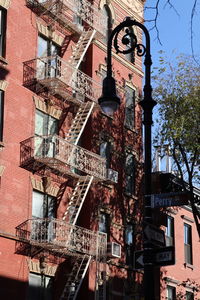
(181, 280)
(70, 176)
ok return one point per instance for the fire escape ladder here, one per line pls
(79, 122)
(75, 278)
(77, 199)
(81, 47)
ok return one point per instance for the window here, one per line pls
(129, 231)
(130, 174)
(170, 231)
(105, 152)
(189, 296)
(107, 13)
(47, 67)
(3, 17)
(40, 287)
(1, 114)
(43, 205)
(45, 124)
(130, 108)
(171, 293)
(104, 222)
(47, 47)
(188, 243)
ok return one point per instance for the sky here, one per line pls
(174, 29)
(174, 26)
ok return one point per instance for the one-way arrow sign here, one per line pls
(160, 257)
(138, 260)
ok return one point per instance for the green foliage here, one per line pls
(177, 92)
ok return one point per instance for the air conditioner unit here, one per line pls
(112, 175)
(114, 250)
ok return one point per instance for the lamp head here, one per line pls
(109, 101)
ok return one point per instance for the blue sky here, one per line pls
(174, 28)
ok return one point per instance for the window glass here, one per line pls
(107, 13)
(40, 287)
(43, 206)
(34, 290)
(45, 124)
(188, 243)
(37, 205)
(105, 152)
(189, 296)
(130, 174)
(171, 292)
(129, 248)
(3, 16)
(130, 108)
(42, 46)
(104, 222)
(1, 114)
(170, 231)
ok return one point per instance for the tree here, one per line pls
(177, 92)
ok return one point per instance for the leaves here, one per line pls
(178, 95)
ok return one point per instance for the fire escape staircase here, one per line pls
(79, 122)
(77, 199)
(81, 265)
(81, 47)
(75, 278)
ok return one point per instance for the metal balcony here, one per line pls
(71, 13)
(60, 78)
(58, 236)
(61, 156)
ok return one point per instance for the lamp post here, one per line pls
(109, 102)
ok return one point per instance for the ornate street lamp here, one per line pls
(109, 102)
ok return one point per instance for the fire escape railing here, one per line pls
(65, 11)
(60, 78)
(62, 237)
(57, 153)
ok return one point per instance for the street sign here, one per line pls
(154, 235)
(138, 260)
(164, 256)
(160, 257)
(169, 199)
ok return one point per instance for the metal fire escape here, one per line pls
(63, 78)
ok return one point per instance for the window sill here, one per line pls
(3, 60)
(189, 266)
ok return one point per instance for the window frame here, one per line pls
(46, 199)
(169, 233)
(3, 27)
(46, 122)
(189, 295)
(2, 96)
(188, 253)
(106, 224)
(129, 110)
(42, 288)
(129, 246)
(108, 13)
(130, 176)
(173, 290)
(106, 153)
